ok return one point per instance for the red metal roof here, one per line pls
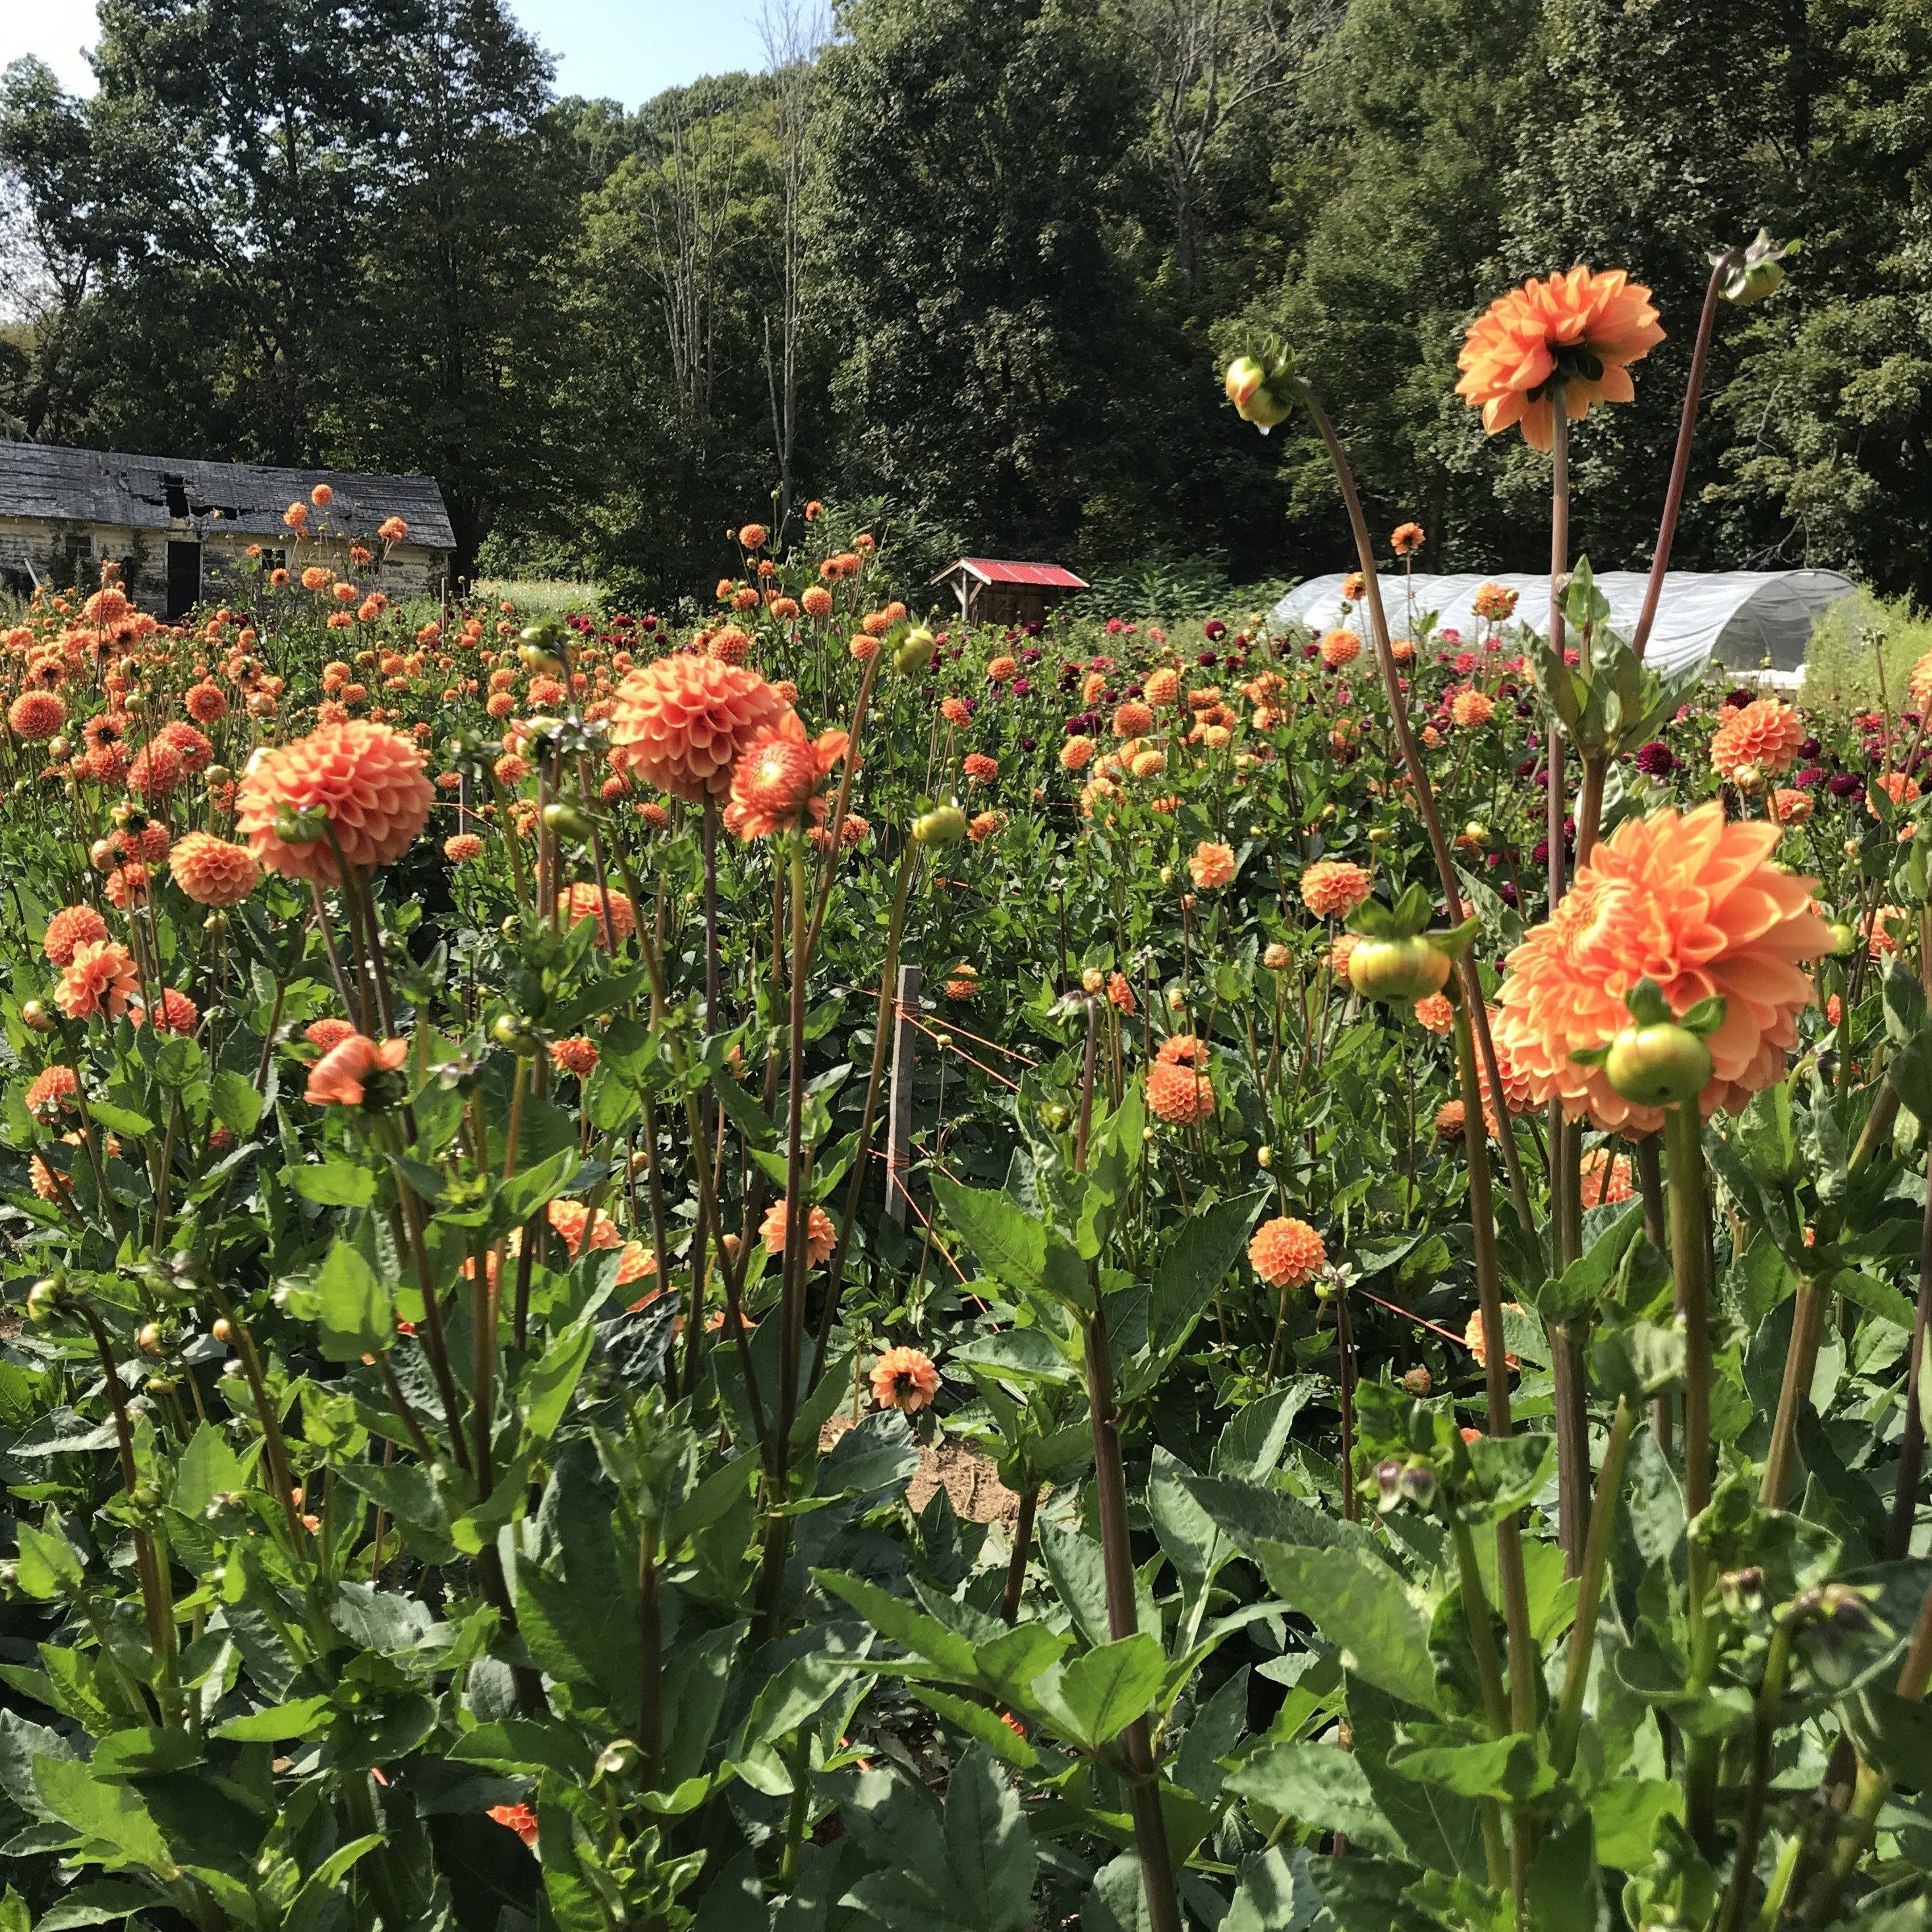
(993, 570)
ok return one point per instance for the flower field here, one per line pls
(822, 1270)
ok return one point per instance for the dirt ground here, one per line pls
(970, 1480)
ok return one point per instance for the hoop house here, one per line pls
(1738, 618)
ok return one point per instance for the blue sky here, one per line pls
(626, 49)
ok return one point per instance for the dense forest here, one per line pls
(973, 261)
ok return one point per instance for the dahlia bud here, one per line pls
(1844, 938)
(1417, 1381)
(1658, 1065)
(1265, 1157)
(1757, 271)
(1418, 1484)
(301, 824)
(619, 1758)
(1388, 1485)
(43, 1299)
(944, 825)
(1742, 1590)
(915, 651)
(35, 1018)
(1261, 387)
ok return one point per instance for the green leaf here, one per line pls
(1315, 1784)
(1190, 1272)
(1583, 1283)
(334, 1184)
(236, 1104)
(1359, 1604)
(522, 1744)
(1005, 1240)
(100, 1903)
(1503, 1767)
(549, 1386)
(925, 1637)
(1566, 1888)
(281, 1723)
(1015, 1354)
(990, 1858)
(356, 1313)
(1098, 1695)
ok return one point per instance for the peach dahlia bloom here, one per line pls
(1212, 865)
(775, 784)
(369, 780)
(1765, 733)
(904, 1379)
(100, 978)
(1286, 1252)
(341, 1077)
(1333, 888)
(821, 1236)
(1693, 903)
(682, 723)
(1582, 329)
(70, 927)
(211, 872)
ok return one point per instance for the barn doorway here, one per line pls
(184, 578)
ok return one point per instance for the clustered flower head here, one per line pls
(1333, 888)
(904, 1379)
(211, 872)
(1694, 904)
(682, 723)
(357, 787)
(821, 1236)
(1286, 1252)
(776, 784)
(1762, 735)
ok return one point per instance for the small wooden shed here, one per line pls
(992, 590)
(182, 530)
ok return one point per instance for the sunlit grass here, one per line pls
(539, 593)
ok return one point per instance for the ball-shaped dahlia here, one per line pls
(213, 872)
(1449, 1118)
(1434, 1011)
(1077, 753)
(820, 1237)
(54, 1091)
(101, 978)
(1132, 720)
(1179, 1095)
(1605, 1181)
(1212, 865)
(368, 782)
(580, 901)
(36, 715)
(1333, 888)
(1162, 686)
(1470, 709)
(1478, 1344)
(1693, 903)
(71, 926)
(462, 847)
(1765, 734)
(156, 772)
(1339, 648)
(179, 1014)
(326, 1035)
(682, 723)
(1286, 1252)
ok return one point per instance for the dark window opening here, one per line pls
(274, 560)
(177, 493)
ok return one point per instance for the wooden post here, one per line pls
(899, 1122)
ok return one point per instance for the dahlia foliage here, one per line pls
(819, 1266)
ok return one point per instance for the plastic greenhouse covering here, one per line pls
(1742, 618)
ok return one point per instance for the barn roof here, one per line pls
(995, 570)
(132, 492)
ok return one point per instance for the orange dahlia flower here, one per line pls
(1606, 1180)
(369, 783)
(579, 902)
(1581, 330)
(1180, 1095)
(904, 1379)
(1766, 734)
(682, 723)
(1451, 1118)
(577, 1055)
(1077, 753)
(1339, 648)
(70, 927)
(343, 1075)
(775, 785)
(179, 1014)
(1694, 904)
(1478, 1344)
(1286, 1252)
(1333, 888)
(1471, 708)
(462, 847)
(324, 1034)
(55, 1091)
(211, 872)
(1434, 1011)
(1212, 865)
(820, 1237)
(100, 978)
(36, 715)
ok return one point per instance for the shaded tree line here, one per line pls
(973, 264)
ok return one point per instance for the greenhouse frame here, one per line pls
(1748, 620)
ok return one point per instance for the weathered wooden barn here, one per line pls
(992, 590)
(182, 531)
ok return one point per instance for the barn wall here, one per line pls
(67, 555)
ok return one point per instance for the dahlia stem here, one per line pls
(1016, 1563)
(1801, 1362)
(1690, 1235)
(1590, 1592)
(1680, 462)
(1425, 794)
